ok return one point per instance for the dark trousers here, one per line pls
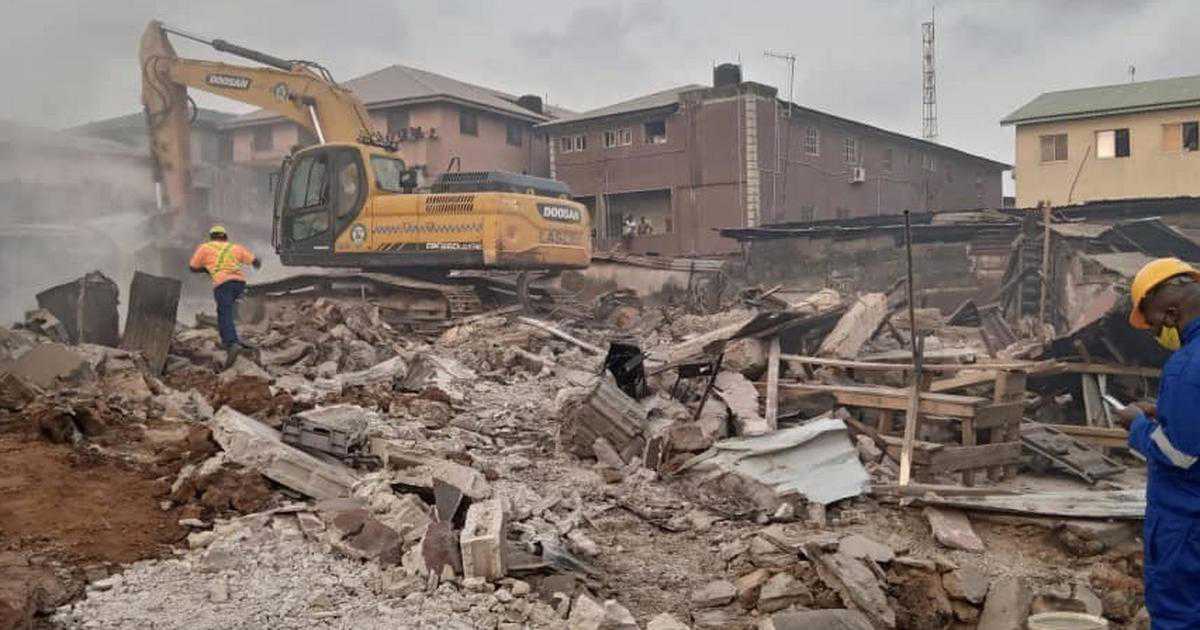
(226, 294)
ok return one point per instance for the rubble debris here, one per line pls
(588, 614)
(605, 412)
(339, 430)
(827, 619)
(666, 621)
(783, 591)
(746, 356)
(44, 324)
(251, 443)
(47, 364)
(966, 583)
(87, 308)
(855, 583)
(856, 327)
(437, 378)
(863, 548)
(952, 529)
(742, 397)
(16, 392)
(713, 594)
(625, 362)
(814, 461)
(1007, 605)
(1065, 453)
(484, 541)
(419, 469)
(150, 322)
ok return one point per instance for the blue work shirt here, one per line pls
(1171, 442)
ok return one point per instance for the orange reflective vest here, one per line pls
(223, 260)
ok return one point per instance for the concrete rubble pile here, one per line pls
(662, 469)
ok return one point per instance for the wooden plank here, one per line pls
(921, 489)
(772, 404)
(999, 415)
(1096, 436)
(881, 366)
(856, 327)
(1110, 504)
(1106, 368)
(863, 429)
(968, 439)
(956, 458)
(894, 398)
(1093, 404)
(1010, 387)
(560, 334)
(912, 420)
(961, 380)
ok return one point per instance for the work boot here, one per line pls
(231, 354)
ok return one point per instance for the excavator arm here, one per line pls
(297, 90)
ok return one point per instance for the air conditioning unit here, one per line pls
(858, 175)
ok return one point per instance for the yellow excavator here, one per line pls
(350, 201)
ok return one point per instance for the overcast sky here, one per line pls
(71, 62)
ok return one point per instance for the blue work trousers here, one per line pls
(227, 294)
(1172, 565)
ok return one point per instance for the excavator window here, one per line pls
(389, 174)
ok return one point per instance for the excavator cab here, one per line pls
(326, 189)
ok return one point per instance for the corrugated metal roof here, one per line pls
(656, 100)
(1109, 99)
(1080, 230)
(137, 120)
(397, 84)
(1127, 264)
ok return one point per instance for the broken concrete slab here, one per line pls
(285, 354)
(856, 327)
(16, 392)
(725, 618)
(606, 454)
(87, 308)
(1007, 605)
(243, 368)
(589, 614)
(966, 583)
(387, 371)
(828, 619)
(815, 461)
(748, 586)
(251, 443)
(713, 594)
(782, 591)
(746, 356)
(483, 541)
(742, 398)
(43, 323)
(606, 412)
(855, 583)
(953, 529)
(438, 378)
(150, 321)
(666, 621)
(48, 364)
(413, 467)
(859, 546)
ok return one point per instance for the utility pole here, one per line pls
(781, 157)
(929, 128)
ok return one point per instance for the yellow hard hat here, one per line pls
(216, 229)
(1150, 276)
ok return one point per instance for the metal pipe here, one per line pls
(312, 113)
(233, 49)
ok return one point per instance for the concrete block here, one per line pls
(484, 552)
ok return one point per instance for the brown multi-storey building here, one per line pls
(693, 159)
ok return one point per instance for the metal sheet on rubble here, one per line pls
(815, 460)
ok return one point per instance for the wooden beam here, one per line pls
(879, 366)
(772, 404)
(921, 489)
(912, 419)
(1097, 436)
(956, 458)
(560, 334)
(961, 380)
(999, 415)
(1107, 368)
(894, 398)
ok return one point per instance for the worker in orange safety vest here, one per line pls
(223, 261)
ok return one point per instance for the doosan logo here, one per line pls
(228, 81)
(560, 213)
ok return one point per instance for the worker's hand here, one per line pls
(257, 263)
(1133, 410)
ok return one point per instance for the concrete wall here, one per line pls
(1149, 171)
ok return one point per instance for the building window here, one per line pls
(1191, 136)
(850, 150)
(566, 144)
(1181, 137)
(807, 213)
(610, 139)
(624, 137)
(655, 131)
(264, 140)
(928, 164)
(1054, 147)
(581, 142)
(886, 162)
(1112, 143)
(397, 122)
(513, 133)
(812, 141)
(468, 123)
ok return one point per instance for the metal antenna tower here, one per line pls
(783, 154)
(929, 129)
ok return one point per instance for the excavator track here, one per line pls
(419, 302)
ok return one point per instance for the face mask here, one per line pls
(1168, 338)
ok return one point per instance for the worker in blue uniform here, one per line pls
(1166, 302)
